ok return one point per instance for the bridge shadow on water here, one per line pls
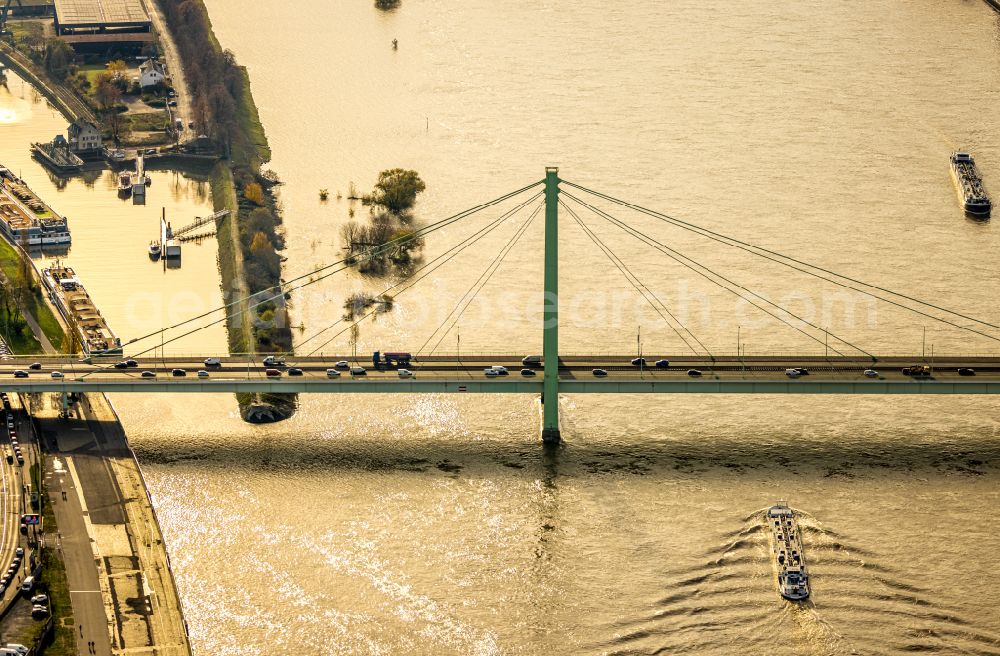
(846, 458)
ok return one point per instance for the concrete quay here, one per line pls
(122, 588)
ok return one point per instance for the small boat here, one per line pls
(124, 184)
(786, 549)
(154, 250)
(969, 183)
(324, 194)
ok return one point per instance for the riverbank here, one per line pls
(248, 236)
(129, 600)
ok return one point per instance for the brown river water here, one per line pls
(438, 524)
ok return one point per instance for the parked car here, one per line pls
(202, 373)
(40, 599)
(148, 374)
(57, 374)
(35, 366)
(294, 371)
(405, 373)
(871, 373)
(662, 364)
(332, 373)
(600, 373)
(966, 371)
(178, 372)
(272, 373)
(39, 612)
(528, 372)
(639, 362)
(694, 373)
(213, 362)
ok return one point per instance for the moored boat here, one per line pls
(786, 552)
(975, 201)
(125, 184)
(154, 250)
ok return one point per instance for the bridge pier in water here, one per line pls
(550, 316)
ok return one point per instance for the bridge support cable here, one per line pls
(287, 286)
(484, 278)
(410, 282)
(451, 252)
(644, 291)
(806, 267)
(710, 275)
(475, 237)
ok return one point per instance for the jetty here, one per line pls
(57, 155)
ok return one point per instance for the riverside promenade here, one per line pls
(122, 588)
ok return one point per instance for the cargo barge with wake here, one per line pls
(79, 311)
(969, 183)
(786, 550)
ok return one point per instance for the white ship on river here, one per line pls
(24, 219)
(79, 311)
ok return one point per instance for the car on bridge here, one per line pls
(121, 365)
(871, 373)
(358, 371)
(202, 373)
(332, 373)
(274, 361)
(57, 374)
(917, 370)
(178, 373)
(272, 373)
(793, 373)
(528, 372)
(966, 371)
(405, 373)
(213, 362)
(662, 364)
(35, 365)
(20, 373)
(148, 374)
(531, 361)
(294, 371)
(694, 373)
(600, 373)
(490, 372)
(639, 362)
(342, 364)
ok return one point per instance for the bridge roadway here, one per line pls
(447, 374)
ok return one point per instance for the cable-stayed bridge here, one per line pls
(843, 367)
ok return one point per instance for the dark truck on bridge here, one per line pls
(390, 360)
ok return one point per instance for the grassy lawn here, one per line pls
(10, 264)
(147, 121)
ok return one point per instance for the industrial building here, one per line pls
(100, 24)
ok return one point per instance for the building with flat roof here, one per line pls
(103, 22)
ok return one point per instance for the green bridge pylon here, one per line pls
(550, 316)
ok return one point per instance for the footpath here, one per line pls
(117, 566)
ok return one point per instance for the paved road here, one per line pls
(314, 371)
(123, 590)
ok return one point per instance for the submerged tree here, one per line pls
(396, 190)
